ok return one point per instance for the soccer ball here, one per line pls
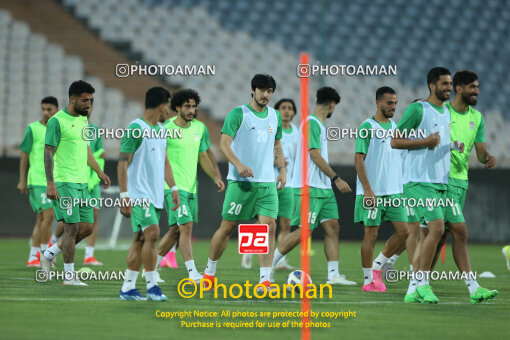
(296, 278)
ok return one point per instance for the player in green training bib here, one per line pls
(379, 188)
(66, 160)
(143, 169)
(97, 148)
(467, 126)
(32, 151)
(323, 205)
(250, 141)
(184, 149)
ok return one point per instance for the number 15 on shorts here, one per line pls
(253, 239)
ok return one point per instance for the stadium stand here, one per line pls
(218, 34)
(204, 32)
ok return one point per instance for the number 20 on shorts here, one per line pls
(253, 239)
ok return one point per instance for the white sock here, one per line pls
(159, 260)
(33, 253)
(283, 259)
(150, 277)
(379, 261)
(368, 276)
(393, 259)
(89, 252)
(412, 286)
(130, 280)
(265, 272)
(192, 270)
(52, 252)
(410, 267)
(332, 269)
(471, 284)
(54, 239)
(44, 246)
(69, 267)
(277, 257)
(422, 278)
(211, 267)
(174, 248)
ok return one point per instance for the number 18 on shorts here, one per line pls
(253, 239)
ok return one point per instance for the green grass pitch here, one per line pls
(49, 310)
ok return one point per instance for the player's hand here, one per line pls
(105, 179)
(369, 198)
(51, 191)
(342, 186)
(433, 140)
(125, 208)
(175, 200)
(244, 171)
(459, 146)
(281, 179)
(219, 183)
(22, 187)
(491, 162)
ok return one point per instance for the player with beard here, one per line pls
(66, 156)
(467, 126)
(169, 259)
(32, 151)
(428, 177)
(183, 154)
(379, 177)
(250, 141)
(323, 205)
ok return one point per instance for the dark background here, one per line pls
(487, 209)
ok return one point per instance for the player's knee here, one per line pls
(402, 233)
(48, 214)
(460, 233)
(370, 235)
(227, 227)
(333, 227)
(86, 229)
(151, 235)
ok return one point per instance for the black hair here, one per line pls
(263, 81)
(436, 73)
(326, 95)
(283, 100)
(78, 87)
(382, 91)
(50, 100)
(182, 96)
(463, 77)
(156, 96)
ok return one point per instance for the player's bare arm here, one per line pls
(229, 154)
(323, 166)
(431, 141)
(169, 178)
(23, 164)
(91, 161)
(51, 189)
(214, 162)
(483, 155)
(208, 167)
(280, 163)
(122, 165)
(361, 170)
